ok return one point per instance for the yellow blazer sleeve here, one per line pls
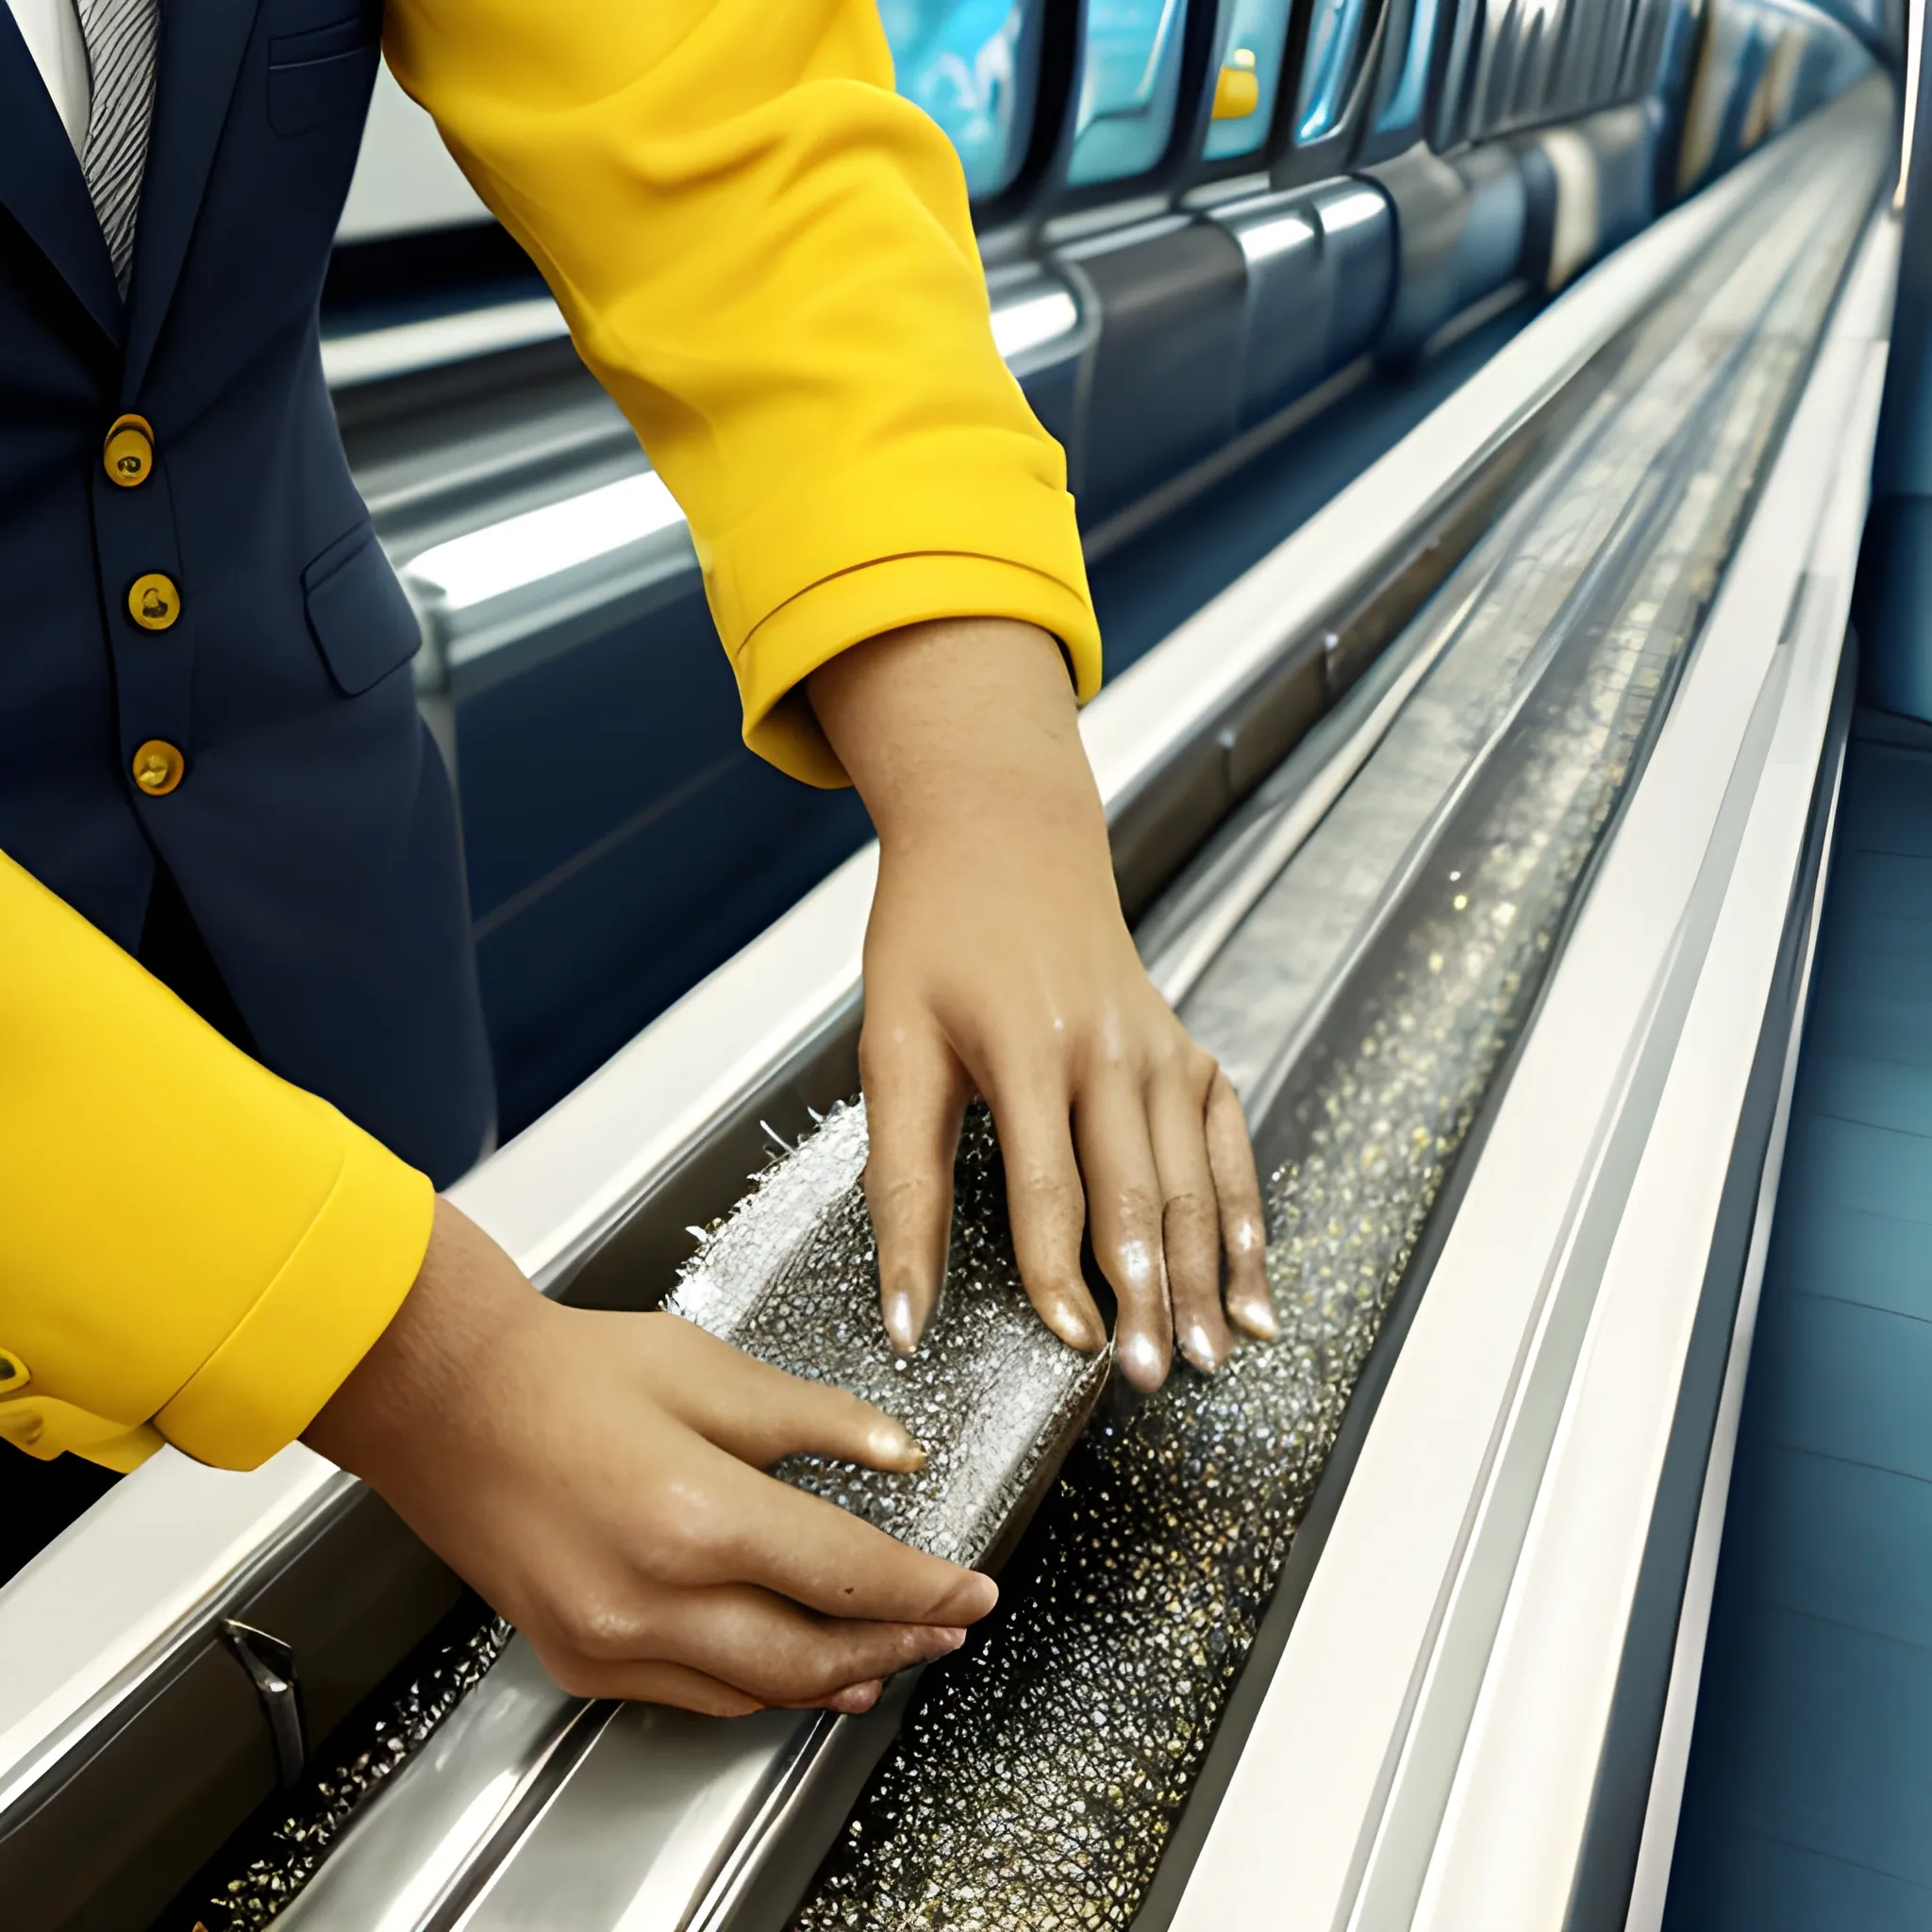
(191, 1250)
(766, 257)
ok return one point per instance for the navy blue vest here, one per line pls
(312, 836)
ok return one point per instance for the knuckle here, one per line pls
(1046, 1184)
(688, 1538)
(574, 1675)
(604, 1629)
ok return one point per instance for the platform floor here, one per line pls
(1809, 1806)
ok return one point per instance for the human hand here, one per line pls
(997, 961)
(596, 1477)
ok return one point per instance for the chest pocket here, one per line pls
(322, 60)
(357, 612)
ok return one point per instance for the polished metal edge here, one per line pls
(560, 1190)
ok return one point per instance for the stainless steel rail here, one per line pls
(1476, 1591)
(730, 1839)
(99, 1631)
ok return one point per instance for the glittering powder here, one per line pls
(1039, 1773)
(278, 1858)
(793, 1278)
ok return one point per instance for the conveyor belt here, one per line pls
(1039, 1773)
(1368, 997)
(1473, 775)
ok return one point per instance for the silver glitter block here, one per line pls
(996, 1400)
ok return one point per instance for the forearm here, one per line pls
(963, 736)
(768, 259)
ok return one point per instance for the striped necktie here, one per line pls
(120, 36)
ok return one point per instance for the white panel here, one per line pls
(404, 179)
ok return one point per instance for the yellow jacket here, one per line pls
(766, 257)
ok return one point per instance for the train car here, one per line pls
(1472, 407)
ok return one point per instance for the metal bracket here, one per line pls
(270, 1667)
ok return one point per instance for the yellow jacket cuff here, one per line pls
(315, 1320)
(813, 627)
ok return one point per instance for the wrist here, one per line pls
(964, 732)
(466, 1316)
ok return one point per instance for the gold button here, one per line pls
(159, 767)
(128, 454)
(153, 601)
(14, 1374)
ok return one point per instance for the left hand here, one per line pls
(997, 961)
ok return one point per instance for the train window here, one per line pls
(1130, 77)
(973, 65)
(1336, 35)
(1249, 76)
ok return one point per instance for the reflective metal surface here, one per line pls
(568, 1193)
(1042, 1770)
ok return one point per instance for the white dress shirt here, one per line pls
(51, 29)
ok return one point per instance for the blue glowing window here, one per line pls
(1329, 67)
(974, 66)
(1129, 78)
(1256, 38)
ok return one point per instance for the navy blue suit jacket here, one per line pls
(313, 837)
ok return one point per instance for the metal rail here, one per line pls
(104, 1628)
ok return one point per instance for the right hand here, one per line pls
(597, 1479)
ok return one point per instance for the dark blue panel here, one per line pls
(1883, 798)
(1811, 1782)
(614, 941)
(613, 861)
(1865, 1558)
(1814, 1253)
(1752, 1884)
(552, 759)
(1876, 1170)
(1830, 1728)
(1490, 253)
(1625, 141)
(1838, 1379)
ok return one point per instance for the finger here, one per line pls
(1124, 1217)
(638, 1681)
(761, 1414)
(1189, 1221)
(1243, 1231)
(1045, 1205)
(915, 1098)
(767, 1650)
(642, 1682)
(745, 1527)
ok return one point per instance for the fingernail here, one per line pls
(967, 1601)
(1198, 1346)
(942, 1640)
(855, 1698)
(1143, 1361)
(1257, 1317)
(889, 1446)
(1075, 1323)
(901, 1323)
